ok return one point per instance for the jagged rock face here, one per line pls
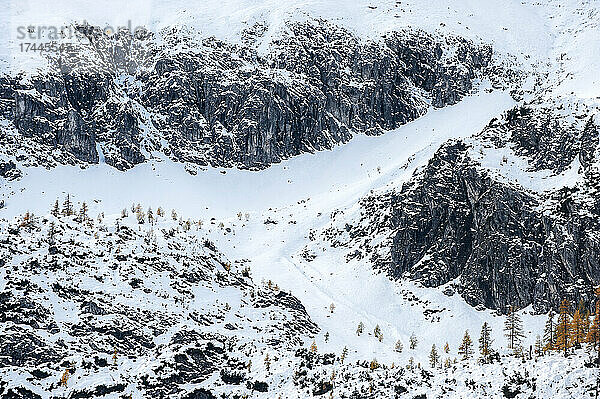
(505, 244)
(215, 103)
(158, 307)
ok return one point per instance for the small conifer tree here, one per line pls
(413, 341)
(578, 333)
(434, 357)
(150, 215)
(466, 347)
(83, 212)
(549, 332)
(360, 328)
(374, 365)
(485, 343)
(51, 231)
(399, 347)
(563, 327)
(267, 362)
(513, 329)
(65, 378)
(67, 209)
(344, 354)
(55, 209)
(539, 346)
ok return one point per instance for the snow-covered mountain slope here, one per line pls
(155, 310)
(479, 191)
(170, 308)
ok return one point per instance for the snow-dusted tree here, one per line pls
(563, 327)
(411, 363)
(267, 362)
(539, 346)
(360, 328)
(83, 212)
(27, 221)
(65, 378)
(413, 341)
(51, 231)
(150, 215)
(374, 364)
(67, 209)
(549, 332)
(513, 329)
(434, 357)
(466, 347)
(595, 334)
(399, 347)
(485, 343)
(377, 333)
(55, 209)
(343, 355)
(327, 336)
(173, 215)
(139, 214)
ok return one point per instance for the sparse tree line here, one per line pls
(563, 332)
(80, 213)
(571, 329)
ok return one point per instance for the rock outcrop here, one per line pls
(208, 102)
(504, 243)
(129, 309)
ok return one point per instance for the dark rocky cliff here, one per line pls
(504, 243)
(213, 103)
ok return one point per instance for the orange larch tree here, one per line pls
(563, 327)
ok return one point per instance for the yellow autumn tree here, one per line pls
(577, 333)
(65, 378)
(563, 327)
(593, 335)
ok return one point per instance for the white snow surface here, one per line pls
(301, 193)
(563, 32)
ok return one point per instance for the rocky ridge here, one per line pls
(119, 99)
(473, 216)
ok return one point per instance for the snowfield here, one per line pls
(272, 221)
